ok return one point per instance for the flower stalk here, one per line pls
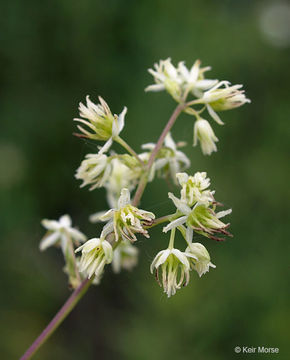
(58, 318)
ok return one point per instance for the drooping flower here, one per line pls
(60, 233)
(125, 256)
(96, 253)
(99, 119)
(95, 170)
(201, 260)
(126, 220)
(175, 269)
(169, 159)
(204, 134)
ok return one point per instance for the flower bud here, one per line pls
(201, 260)
(204, 133)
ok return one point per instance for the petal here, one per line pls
(175, 223)
(214, 115)
(180, 205)
(124, 198)
(49, 240)
(221, 214)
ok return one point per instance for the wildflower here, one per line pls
(125, 256)
(202, 264)
(99, 119)
(201, 218)
(229, 97)
(201, 260)
(175, 269)
(121, 176)
(126, 220)
(94, 170)
(60, 233)
(167, 78)
(194, 188)
(96, 253)
(169, 159)
(194, 80)
(205, 135)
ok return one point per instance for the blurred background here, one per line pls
(54, 53)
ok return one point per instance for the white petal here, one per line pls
(124, 198)
(49, 240)
(175, 223)
(221, 214)
(180, 205)
(214, 115)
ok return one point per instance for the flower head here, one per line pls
(167, 78)
(94, 170)
(203, 220)
(125, 256)
(175, 269)
(96, 253)
(205, 135)
(127, 219)
(99, 119)
(194, 188)
(60, 233)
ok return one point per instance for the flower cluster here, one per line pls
(211, 94)
(120, 174)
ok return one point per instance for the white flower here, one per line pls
(194, 188)
(60, 233)
(194, 80)
(166, 77)
(103, 124)
(121, 176)
(96, 253)
(125, 256)
(126, 220)
(201, 218)
(95, 170)
(227, 98)
(204, 133)
(169, 159)
(202, 264)
(201, 260)
(175, 269)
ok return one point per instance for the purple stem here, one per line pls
(58, 318)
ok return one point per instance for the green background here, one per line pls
(53, 54)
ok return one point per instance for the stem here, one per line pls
(144, 179)
(129, 149)
(58, 318)
(83, 287)
(171, 241)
